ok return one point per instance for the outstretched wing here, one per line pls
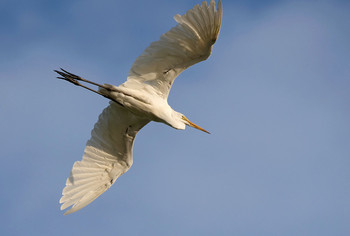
(184, 45)
(107, 155)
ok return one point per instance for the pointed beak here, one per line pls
(189, 123)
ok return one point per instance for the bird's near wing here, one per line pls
(186, 44)
(107, 155)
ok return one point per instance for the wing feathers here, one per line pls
(107, 155)
(184, 45)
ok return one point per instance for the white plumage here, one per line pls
(107, 155)
(141, 99)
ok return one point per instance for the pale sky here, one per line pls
(274, 95)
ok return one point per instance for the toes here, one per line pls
(70, 74)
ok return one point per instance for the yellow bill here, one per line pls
(189, 123)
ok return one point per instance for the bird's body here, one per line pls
(144, 105)
(141, 99)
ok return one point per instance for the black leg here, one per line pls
(74, 79)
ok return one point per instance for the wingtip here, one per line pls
(67, 213)
(219, 6)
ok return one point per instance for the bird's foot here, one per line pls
(72, 78)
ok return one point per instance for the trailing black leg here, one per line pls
(74, 79)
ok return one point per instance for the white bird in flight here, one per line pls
(141, 99)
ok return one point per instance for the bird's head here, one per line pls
(179, 121)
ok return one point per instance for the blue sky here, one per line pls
(274, 94)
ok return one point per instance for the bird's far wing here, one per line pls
(186, 44)
(107, 155)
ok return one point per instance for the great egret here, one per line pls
(141, 99)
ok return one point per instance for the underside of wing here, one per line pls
(107, 155)
(189, 42)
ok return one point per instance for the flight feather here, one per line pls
(186, 44)
(107, 155)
